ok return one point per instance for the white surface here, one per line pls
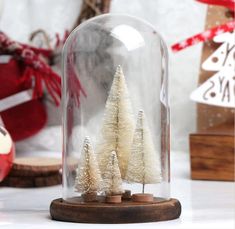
(205, 204)
(175, 20)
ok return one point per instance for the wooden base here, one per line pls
(35, 166)
(124, 212)
(113, 199)
(212, 154)
(34, 172)
(32, 181)
(142, 197)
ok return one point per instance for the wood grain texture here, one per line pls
(34, 172)
(212, 156)
(35, 166)
(125, 212)
(32, 181)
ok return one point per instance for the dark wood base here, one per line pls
(89, 197)
(124, 212)
(32, 181)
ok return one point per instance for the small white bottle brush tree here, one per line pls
(144, 162)
(112, 180)
(88, 178)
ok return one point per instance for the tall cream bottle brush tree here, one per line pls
(118, 125)
(88, 179)
(144, 163)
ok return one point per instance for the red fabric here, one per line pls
(29, 70)
(10, 74)
(35, 67)
(26, 119)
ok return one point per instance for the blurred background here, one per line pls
(174, 20)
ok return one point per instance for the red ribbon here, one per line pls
(202, 37)
(36, 68)
(210, 33)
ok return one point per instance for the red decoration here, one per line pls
(35, 67)
(226, 3)
(26, 119)
(211, 33)
(7, 153)
(28, 69)
(202, 37)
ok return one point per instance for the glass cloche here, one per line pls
(116, 139)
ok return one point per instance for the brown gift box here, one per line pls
(212, 146)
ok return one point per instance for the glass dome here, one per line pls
(115, 112)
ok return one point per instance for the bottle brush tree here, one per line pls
(112, 180)
(144, 163)
(118, 125)
(88, 178)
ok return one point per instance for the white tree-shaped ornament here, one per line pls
(112, 180)
(88, 179)
(118, 125)
(144, 163)
(219, 89)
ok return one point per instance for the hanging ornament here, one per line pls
(7, 152)
(219, 89)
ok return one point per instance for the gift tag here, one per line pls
(218, 90)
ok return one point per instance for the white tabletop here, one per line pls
(205, 204)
